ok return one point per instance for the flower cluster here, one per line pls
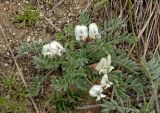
(52, 49)
(103, 67)
(81, 32)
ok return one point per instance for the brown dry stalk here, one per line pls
(149, 31)
(51, 23)
(19, 71)
(89, 3)
(60, 2)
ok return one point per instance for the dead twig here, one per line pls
(60, 2)
(51, 23)
(89, 3)
(19, 71)
(147, 23)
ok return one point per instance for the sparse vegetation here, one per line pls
(29, 16)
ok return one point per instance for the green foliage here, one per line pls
(76, 58)
(12, 97)
(69, 30)
(136, 83)
(125, 37)
(127, 85)
(114, 105)
(35, 86)
(72, 78)
(84, 18)
(28, 17)
(151, 71)
(124, 61)
(45, 62)
(98, 50)
(114, 24)
(71, 70)
(59, 36)
(100, 4)
(117, 77)
(26, 48)
(66, 37)
(151, 68)
(66, 102)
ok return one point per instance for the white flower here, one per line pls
(93, 31)
(56, 48)
(46, 51)
(104, 82)
(104, 66)
(81, 32)
(96, 91)
(52, 49)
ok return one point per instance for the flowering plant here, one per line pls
(86, 61)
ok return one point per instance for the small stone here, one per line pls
(7, 2)
(5, 9)
(59, 22)
(6, 65)
(13, 34)
(41, 14)
(29, 39)
(7, 53)
(40, 40)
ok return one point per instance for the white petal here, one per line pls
(111, 83)
(108, 85)
(104, 71)
(56, 48)
(104, 65)
(95, 90)
(46, 50)
(101, 64)
(98, 98)
(104, 80)
(102, 95)
(93, 31)
(108, 61)
(110, 68)
(81, 32)
(56, 44)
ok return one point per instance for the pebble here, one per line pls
(7, 2)
(6, 65)
(28, 38)
(41, 14)
(13, 34)
(5, 9)
(40, 40)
